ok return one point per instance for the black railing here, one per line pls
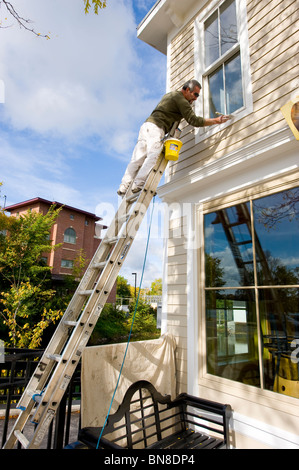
(15, 373)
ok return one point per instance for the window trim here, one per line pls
(201, 73)
(272, 399)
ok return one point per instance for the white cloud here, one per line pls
(74, 103)
(83, 80)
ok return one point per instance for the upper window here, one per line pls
(221, 32)
(252, 292)
(69, 236)
(222, 61)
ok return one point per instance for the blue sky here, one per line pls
(73, 106)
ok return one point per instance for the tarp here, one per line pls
(152, 360)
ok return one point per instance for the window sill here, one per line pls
(248, 393)
(203, 133)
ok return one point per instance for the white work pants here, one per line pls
(145, 154)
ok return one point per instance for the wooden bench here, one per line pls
(147, 420)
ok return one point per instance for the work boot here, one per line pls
(135, 188)
(122, 190)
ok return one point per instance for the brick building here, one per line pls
(76, 229)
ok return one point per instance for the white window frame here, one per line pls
(201, 73)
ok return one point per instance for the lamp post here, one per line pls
(135, 274)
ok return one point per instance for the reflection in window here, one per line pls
(279, 314)
(225, 86)
(211, 39)
(252, 253)
(69, 236)
(228, 247)
(221, 32)
(276, 228)
(232, 336)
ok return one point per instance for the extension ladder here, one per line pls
(56, 367)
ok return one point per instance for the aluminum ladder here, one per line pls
(54, 371)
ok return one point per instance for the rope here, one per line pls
(133, 319)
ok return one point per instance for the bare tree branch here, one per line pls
(23, 23)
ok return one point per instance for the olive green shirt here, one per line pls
(172, 108)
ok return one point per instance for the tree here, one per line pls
(20, 304)
(156, 287)
(23, 245)
(25, 295)
(80, 263)
(122, 287)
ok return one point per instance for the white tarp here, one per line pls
(152, 360)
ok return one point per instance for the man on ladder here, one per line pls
(173, 107)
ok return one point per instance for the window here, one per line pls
(225, 83)
(69, 236)
(67, 263)
(222, 61)
(252, 292)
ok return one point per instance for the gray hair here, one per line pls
(191, 84)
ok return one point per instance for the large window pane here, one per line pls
(225, 88)
(231, 332)
(216, 96)
(269, 266)
(218, 42)
(228, 26)
(228, 247)
(211, 39)
(276, 220)
(233, 85)
(279, 314)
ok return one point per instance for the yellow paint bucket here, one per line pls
(172, 149)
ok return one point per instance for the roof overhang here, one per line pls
(165, 16)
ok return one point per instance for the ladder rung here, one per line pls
(99, 265)
(54, 357)
(36, 395)
(86, 292)
(133, 198)
(111, 240)
(70, 323)
(245, 242)
(21, 438)
(123, 218)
